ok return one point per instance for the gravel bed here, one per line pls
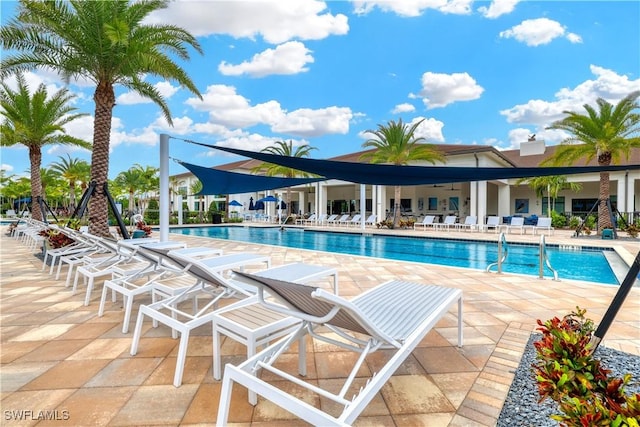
(521, 407)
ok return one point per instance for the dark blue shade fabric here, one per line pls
(222, 182)
(377, 174)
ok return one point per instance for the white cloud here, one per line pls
(7, 168)
(430, 129)
(440, 90)
(276, 21)
(498, 8)
(535, 32)
(166, 90)
(252, 142)
(288, 58)
(403, 108)
(227, 108)
(313, 123)
(412, 8)
(607, 85)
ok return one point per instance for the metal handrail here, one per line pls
(502, 247)
(544, 259)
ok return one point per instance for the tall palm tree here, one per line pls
(131, 180)
(196, 187)
(73, 170)
(281, 148)
(35, 120)
(397, 144)
(108, 43)
(607, 134)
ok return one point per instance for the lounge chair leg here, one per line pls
(102, 300)
(225, 401)
(127, 312)
(182, 354)
(217, 357)
(137, 332)
(251, 351)
(302, 355)
(89, 289)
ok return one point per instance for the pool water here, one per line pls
(588, 264)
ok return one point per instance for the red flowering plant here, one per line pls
(140, 225)
(56, 239)
(567, 372)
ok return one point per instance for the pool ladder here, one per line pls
(543, 257)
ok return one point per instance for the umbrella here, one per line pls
(235, 203)
(259, 206)
(251, 206)
(268, 199)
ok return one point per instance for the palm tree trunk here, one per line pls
(396, 208)
(104, 98)
(35, 157)
(604, 215)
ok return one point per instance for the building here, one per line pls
(479, 198)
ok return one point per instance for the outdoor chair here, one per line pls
(330, 219)
(493, 222)
(10, 213)
(517, 223)
(141, 282)
(356, 220)
(543, 224)
(396, 316)
(427, 221)
(210, 284)
(371, 220)
(470, 223)
(311, 219)
(449, 221)
(343, 219)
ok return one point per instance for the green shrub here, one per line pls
(567, 372)
(558, 220)
(153, 212)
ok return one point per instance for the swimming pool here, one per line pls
(522, 258)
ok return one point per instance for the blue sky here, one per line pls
(323, 73)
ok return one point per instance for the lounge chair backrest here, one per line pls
(356, 218)
(344, 217)
(332, 217)
(517, 221)
(371, 219)
(471, 220)
(493, 220)
(450, 219)
(544, 222)
(301, 299)
(428, 219)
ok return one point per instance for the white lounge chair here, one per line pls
(330, 219)
(210, 283)
(356, 220)
(449, 221)
(517, 223)
(470, 223)
(395, 316)
(544, 223)
(427, 221)
(311, 219)
(371, 220)
(493, 222)
(10, 213)
(344, 218)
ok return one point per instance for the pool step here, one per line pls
(617, 264)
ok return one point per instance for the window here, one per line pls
(433, 203)
(558, 207)
(405, 204)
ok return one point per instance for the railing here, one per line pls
(503, 251)
(544, 260)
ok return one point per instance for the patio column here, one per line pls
(363, 205)
(504, 200)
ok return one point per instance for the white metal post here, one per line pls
(164, 187)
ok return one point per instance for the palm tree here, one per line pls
(108, 43)
(281, 148)
(73, 170)
(35, 120)
(552, 184)
(131, 180)
(397, 144)
(196, 187)
(606, 134)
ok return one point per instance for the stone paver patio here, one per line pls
(58, 356)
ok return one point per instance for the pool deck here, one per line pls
(57, 354)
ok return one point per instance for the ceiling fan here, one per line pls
(452, 189)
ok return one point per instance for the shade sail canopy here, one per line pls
(380, 174)
(215, 181)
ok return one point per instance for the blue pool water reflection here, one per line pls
(587, 264)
